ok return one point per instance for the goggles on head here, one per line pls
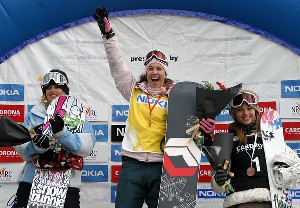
(247, 97)
(160, 56)
(57, 77)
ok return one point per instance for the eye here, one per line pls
(150, 68)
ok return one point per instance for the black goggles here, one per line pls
(57, 77)
(247, 97)
(160, 56)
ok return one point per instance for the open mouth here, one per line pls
(155, 79)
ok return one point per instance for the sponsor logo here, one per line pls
(142, 58)
(296, 109)
(5, 174)
(99, 154)
(221, 128)
(11, 92)
(94, 173)
(264, 106)
(291, 130)
(101, 132)
(115, 153)
(204, 173)
(8, 154)
(97, 112)
(152, 101)
(16, 112)
(117, 133)
(209, 193)
(119, 113)
(290, 88)
(90, 112)
(290, 108)
(295, 193)
(115, 172)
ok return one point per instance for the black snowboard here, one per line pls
(182, 157)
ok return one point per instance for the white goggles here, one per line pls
(57, 77)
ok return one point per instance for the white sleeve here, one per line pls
(123, 77)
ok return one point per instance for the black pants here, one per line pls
(139, 182)
(23, 192)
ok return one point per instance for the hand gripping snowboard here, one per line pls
(182, 157)
(49, 187)
(273, 141)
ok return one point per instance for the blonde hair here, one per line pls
(44, 101)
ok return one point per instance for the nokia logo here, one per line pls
(292, 88)
(92, 173)
(9, 92)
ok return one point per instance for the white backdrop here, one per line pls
(204, 51)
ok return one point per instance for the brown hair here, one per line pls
(238, 129)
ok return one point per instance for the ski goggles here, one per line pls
(57, 77)
(247, 97)
(160, 56)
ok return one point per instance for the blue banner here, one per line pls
(101, 132)
(94, 173)
(119, 113)
(207, 193)
(290, 88)
(11, 92)
(115, 153)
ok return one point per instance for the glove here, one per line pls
(101, 16)
(221, 176)
(57, 124)
(207, 126)
(41, 141)
(49, 159)
(38, 129)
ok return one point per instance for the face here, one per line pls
(245, 115)
(156, 75)
(52, 92)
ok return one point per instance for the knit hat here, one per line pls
(55, 77)
(156, 56)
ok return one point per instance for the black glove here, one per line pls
(57, 124)
(38, 129)
(49, 159)
(103, 24)
(41, 141)
(221, 176)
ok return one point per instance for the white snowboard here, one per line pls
(273, 140)
(49, 187)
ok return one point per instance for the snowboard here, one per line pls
(273, 141)
(49, 187)
(181, 162)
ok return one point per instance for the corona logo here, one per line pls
(8, 153)
(10, 112)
